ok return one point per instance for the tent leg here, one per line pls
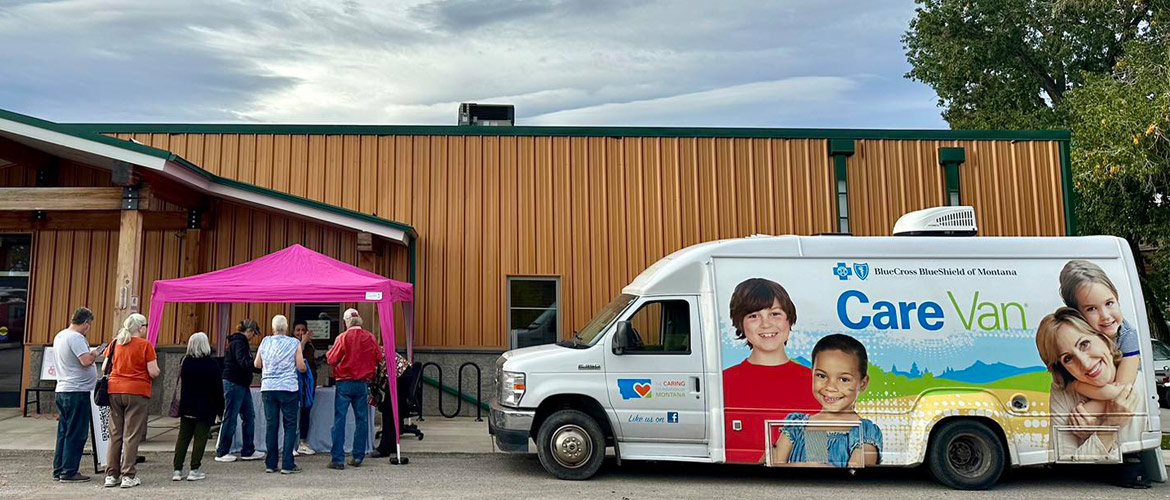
(398, 459)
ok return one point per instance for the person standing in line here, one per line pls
(200, 401)
(76, 377)
(354, 357)
(280, 358)
(301, 332)
(238, 369)
(133, 367)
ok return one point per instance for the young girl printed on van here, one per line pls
(836, 436)
(767, 384)
(1084, 286)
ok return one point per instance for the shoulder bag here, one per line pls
(101, 392)
(173, 412)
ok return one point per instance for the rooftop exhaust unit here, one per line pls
(938, 221)
(487, 115)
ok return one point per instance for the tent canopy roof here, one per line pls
(295, 274)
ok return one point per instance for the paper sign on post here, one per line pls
(319, 327)
(49, 364)
(373, 295)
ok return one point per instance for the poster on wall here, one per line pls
(836, 363)
(319, 327)
(49, 364)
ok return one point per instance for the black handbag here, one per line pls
(101, 392)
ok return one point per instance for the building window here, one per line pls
(662, 327)
(533, 312)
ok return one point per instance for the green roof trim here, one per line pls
(1067, 190)
(455, 130)
(91, 135)
(951, 155)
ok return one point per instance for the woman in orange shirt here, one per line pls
(133, 366)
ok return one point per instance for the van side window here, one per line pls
(663, 327)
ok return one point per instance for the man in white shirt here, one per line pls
(76, 377)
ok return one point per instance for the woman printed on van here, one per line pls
(1084, 286)
(836, 436)
(1076, 353)
(768, 384)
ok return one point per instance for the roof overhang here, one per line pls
(105, 152)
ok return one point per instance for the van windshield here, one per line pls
(588, 335)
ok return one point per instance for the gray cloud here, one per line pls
(682, 62)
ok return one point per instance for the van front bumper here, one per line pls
(511, 428)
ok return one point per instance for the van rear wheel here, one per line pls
(966, 455)
(570, 445)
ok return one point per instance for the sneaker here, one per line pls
(74, 478)
(304, 449)
(111, 481)
(130, 482)
(269, 471)
(226, 458)
(256, 455)
(377, 454)
(293, 470)
(336, 466)
(196, 475)
(354, 463)
(176, 476)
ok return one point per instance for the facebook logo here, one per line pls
(672, 417)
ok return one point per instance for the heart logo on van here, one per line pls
(642, 389)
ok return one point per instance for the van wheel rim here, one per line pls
(571, 446)
(969, 455)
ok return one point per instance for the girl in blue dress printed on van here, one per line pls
(836, 436)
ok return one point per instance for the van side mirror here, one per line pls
(621, 338)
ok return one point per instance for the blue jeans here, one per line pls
(355, 394)
(72, 432)
(237, 401)
(280, 407)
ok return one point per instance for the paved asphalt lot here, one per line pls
(26, 475)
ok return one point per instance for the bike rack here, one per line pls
(459, 392)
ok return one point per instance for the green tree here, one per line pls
(1121, 160)
(1008, 64)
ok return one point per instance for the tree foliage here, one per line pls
(1008, 64)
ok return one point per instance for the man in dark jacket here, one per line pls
(238, 369)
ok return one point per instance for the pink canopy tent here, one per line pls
(295, 274)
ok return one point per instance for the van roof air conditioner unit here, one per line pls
(938, 221)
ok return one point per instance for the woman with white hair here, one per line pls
(200, 401)
(132, 365)
(280, 358)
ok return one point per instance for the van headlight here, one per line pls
(511, 388)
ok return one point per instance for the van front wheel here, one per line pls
(570, 445)
(966, 455)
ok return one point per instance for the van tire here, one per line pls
(966, 455)
(581, 445)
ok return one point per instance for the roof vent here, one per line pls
(487, 115)
(938, 221)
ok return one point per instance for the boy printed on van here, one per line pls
(1084, 286)
(766, 385)
(836, 436)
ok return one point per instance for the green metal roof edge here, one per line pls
(293, 198)
(454, 130)
(82, 133)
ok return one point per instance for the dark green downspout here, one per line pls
(841, 150)
(1066, 185)
(951, 159)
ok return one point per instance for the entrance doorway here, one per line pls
(15, 258)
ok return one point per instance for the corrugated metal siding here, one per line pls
(595, 211)
(1014, 187)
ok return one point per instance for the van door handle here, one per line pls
(696, 381)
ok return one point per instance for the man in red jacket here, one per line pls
(354, 357)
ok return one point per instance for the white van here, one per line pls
(967, 354)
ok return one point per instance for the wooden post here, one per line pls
(189, 317)
(127, 289)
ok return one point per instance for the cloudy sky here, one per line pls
(749, 63)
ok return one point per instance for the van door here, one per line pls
(654, 384)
